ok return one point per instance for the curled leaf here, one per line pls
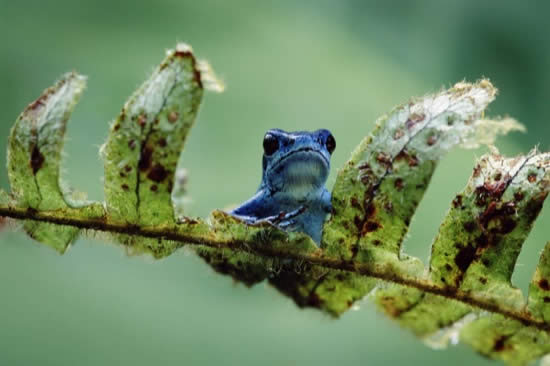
(145, 141)
(34, 156)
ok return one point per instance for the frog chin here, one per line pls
(301, 174)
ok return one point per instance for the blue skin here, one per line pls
(292, 194)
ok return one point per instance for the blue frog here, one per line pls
(292, 194)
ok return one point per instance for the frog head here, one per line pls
(296, 163)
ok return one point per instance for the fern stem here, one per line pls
(365, 269)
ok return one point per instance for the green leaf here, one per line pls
(34, 155)
(145, 141)
(500, 338)
(379, 188)
(482, 235)
(475, 253)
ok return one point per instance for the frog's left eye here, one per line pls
(330, 143)
(271, 144)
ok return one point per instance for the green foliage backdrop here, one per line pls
(290, 66)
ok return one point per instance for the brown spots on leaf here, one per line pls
(376, 243)
(196, 72)
(532, 178)
(544, 285)
(358, 222)
(37, 103)
(483, 280)
(457, 201)
(388, 206)
(365, 179)
(396, 308)
(501, 214)
(354, 250)
(125, 187)
(448, 267)
(507, 225)
(157, 173)
(142, 120)
(116, 127)
(37, 159)
(41, 101)
(162, 142)
(450, 120)
(477, 171)
(399, 184)
(314, 300)
(498, 176)
(546, 299)
(469, 226)
(431, 140)
(384, 159)
(489, 191)
(127, 168)
(495, 189)
(500, 344)
(355, 203)
(370, 226)
(482, 241)
(370, 209)
(364, 166)
(414, 119)
(518, 196)
(197, 77)
(465, 257)
(145, 158)
(154, 188)
(173, 116)
(411, 159)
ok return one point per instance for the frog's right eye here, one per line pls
(271, 144)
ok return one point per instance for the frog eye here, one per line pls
(270, 144)
(330, 143)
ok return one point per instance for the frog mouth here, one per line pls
(305, 169)
(306, 151)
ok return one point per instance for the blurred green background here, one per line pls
(287, 64)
